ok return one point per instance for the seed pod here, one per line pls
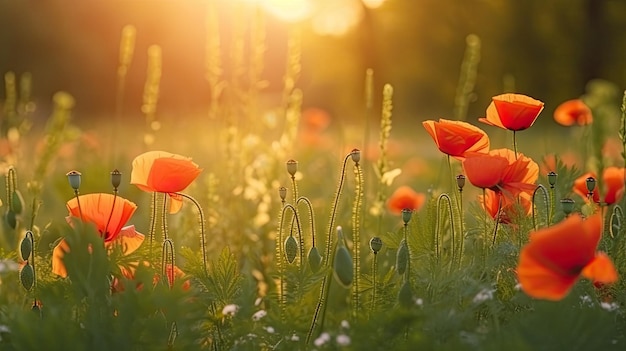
(402, 257)
(116, 178)
(376, 244)
(17, 203)
(74, 178)
(291, 249)
(405, 295)
(315, 259)
(356, 155)
(292, 167)
(342, 266)
(26, 246)
(27, 276)
(11, 219)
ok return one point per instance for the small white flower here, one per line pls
(343, 340)
(269, 329)
(295, 337)
(4, 329)
(586, 300)
(258, 315)
(518, 287)
(419, 302)
(322, 339)
(258, 301)
(345, 324)
(230, 310)
(612, 306)
(484, 295)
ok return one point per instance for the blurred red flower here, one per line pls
(405, 198)
(573, 112)
(611, 188)
(556, 256)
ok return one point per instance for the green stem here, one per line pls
(202, 230)
(164, 217)
(515, 144)
(356, 237)
(462, 234)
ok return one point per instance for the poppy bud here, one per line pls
(591, 184)
(342, 266)
(282, 192)
(17, 202)
(567, 205)
(291, 249)
(552, 178)
(356, 155)
(116, 178)
(11, 218)
(315, 259)
(74, 178)
(406, 215)
(376, 244)
(402, 257)
(460, 181)
(27, 276)
(292, 167)
(26, 246)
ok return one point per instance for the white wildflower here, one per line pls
(230, 310)
(322, 339)
(295, 337)
(258, 300)
(419, 302)
(345, 324)
(343, 340)
(484, 295)
(258, 315)
(586, 300)
(609, 306)
(269, 329)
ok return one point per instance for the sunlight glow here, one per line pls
(288, 10)
(373, 4)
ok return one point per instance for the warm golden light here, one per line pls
(288, 10)
(373, 4)
(337, 17)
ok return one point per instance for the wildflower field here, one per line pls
(266, 225)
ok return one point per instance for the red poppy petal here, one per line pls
(601, 269)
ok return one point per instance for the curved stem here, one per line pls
(545, 198)
(153, 220)
(462, 234)
(333, 212)
(311, 216)
(295, 218)
(438, 225)
(202, 230)
(168, 247)
(80, 210)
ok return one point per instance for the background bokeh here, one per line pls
(546, 49)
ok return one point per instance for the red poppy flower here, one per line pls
(163, 172)
(512, 111)
(129, 273)
(556, 256)
(109, 216)
(500, 171)
(405, 198)
(457, 138)
(510, 209)
(573, 112)
(611, 187)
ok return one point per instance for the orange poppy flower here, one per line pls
(457, 138)
(405, 198)
(164, 172)
(512, 111)
(573, 112)
(611, 188)
(109, 216)
(500, 171)
(117, 285)
(510, 209)
(556, 256)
